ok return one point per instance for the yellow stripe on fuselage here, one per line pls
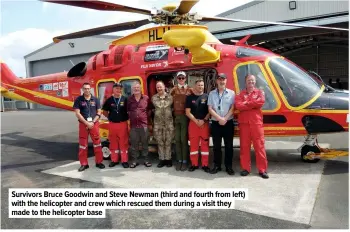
(15, 96)
(45, 96)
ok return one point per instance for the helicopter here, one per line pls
(298, 103)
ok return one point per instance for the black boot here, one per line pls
(169, 163)
(192, 168)
(161, 164)
(112, 164)
(83, 167)
(178, 166)
(100, 166)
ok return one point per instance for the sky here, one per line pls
(27, 25)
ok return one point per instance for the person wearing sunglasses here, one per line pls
(220, 105)
(179, 94)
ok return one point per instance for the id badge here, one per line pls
(89, 119)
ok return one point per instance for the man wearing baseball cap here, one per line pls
(220, 105)
(179, 93)
(115, 110)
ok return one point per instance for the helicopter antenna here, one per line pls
(72, 62)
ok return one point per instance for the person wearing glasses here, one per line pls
(138, 108)
(179, 94)
(88, 111)
(220, 105)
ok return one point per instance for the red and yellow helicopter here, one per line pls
(297, 103)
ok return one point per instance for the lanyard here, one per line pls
(88, 106)
(116, 102)
(219, 107)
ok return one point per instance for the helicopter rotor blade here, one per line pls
(103, 30)
(218, 19)
(185, 6)
(100, 5)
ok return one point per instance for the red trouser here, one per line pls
(83, 143)
(199, 134)
(118, 141)
(252, 133)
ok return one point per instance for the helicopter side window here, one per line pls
(248, 52)
(105, 90)
(127, 87)
(296, 85)
(261, 83)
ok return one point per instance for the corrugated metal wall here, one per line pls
(279, 11)
(331, 62)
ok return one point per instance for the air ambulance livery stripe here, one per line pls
(45, 96)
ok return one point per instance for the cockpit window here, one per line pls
(248, 52)
(261, 83)
(297, 86)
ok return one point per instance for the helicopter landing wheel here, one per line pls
(105, 150)
(306, 149)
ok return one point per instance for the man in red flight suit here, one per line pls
(115, 110)
(88, 111)
(249, 102)
(198, 128)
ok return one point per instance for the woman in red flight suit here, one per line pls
(249, 102)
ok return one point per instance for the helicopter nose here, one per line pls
(339, 100)
(337, 104)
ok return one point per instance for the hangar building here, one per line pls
(323, 51)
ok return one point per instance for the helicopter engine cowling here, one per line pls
(194, 40)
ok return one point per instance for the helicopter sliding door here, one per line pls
(272, 103)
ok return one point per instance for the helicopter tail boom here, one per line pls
(7, 76)
(38, 89)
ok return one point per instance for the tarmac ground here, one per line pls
(39, 150)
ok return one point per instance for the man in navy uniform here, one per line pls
(115, 110)
(88, 111)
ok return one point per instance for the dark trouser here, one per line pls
(181, 137)
(218, 132)
(138, 135)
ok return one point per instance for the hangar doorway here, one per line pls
(320, 51)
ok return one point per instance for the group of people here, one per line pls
(188, 114)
